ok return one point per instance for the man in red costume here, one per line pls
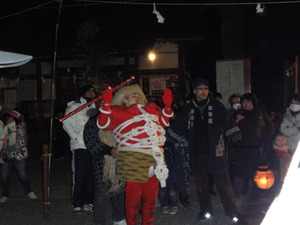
(138, 129)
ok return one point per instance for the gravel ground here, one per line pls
(21, 210)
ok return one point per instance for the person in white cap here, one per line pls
(13, 150)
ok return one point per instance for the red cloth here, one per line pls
(144, 193)
(120, 114)
(282, 152)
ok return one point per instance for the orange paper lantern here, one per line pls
(264, 178)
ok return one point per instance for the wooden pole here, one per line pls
(47, 149)
(46, 157)
(296, 75)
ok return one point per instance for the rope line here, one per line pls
(96, 99)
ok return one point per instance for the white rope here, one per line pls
(161, 171)
(105, 125)
(154, 141)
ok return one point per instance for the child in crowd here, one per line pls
(168, 195)
(282, 152)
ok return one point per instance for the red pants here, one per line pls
(144, 194)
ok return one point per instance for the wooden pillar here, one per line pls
(296, 75)
(46, 157)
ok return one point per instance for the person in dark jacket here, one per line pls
(103, 198)
(206, 123)
(182, 171)
(235, 107)
(257, 131)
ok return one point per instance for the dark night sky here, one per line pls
(268, 39)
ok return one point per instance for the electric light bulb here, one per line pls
(152, 56)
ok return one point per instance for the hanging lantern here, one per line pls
(264, 177)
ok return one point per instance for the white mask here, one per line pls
(294, 107)
(236, 106)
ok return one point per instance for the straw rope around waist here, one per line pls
(135, 149)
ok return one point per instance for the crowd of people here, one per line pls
(135, 156)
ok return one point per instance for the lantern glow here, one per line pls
(264, 178)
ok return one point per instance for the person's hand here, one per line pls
(239, 117)
(167, 98)
(113, 153)
(107, 96)
(235, 139)
(297, 118)
(99, 103)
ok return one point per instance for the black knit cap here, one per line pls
(200, 81)
(295, 97)
(86, 88)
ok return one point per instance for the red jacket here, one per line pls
(121, 114)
